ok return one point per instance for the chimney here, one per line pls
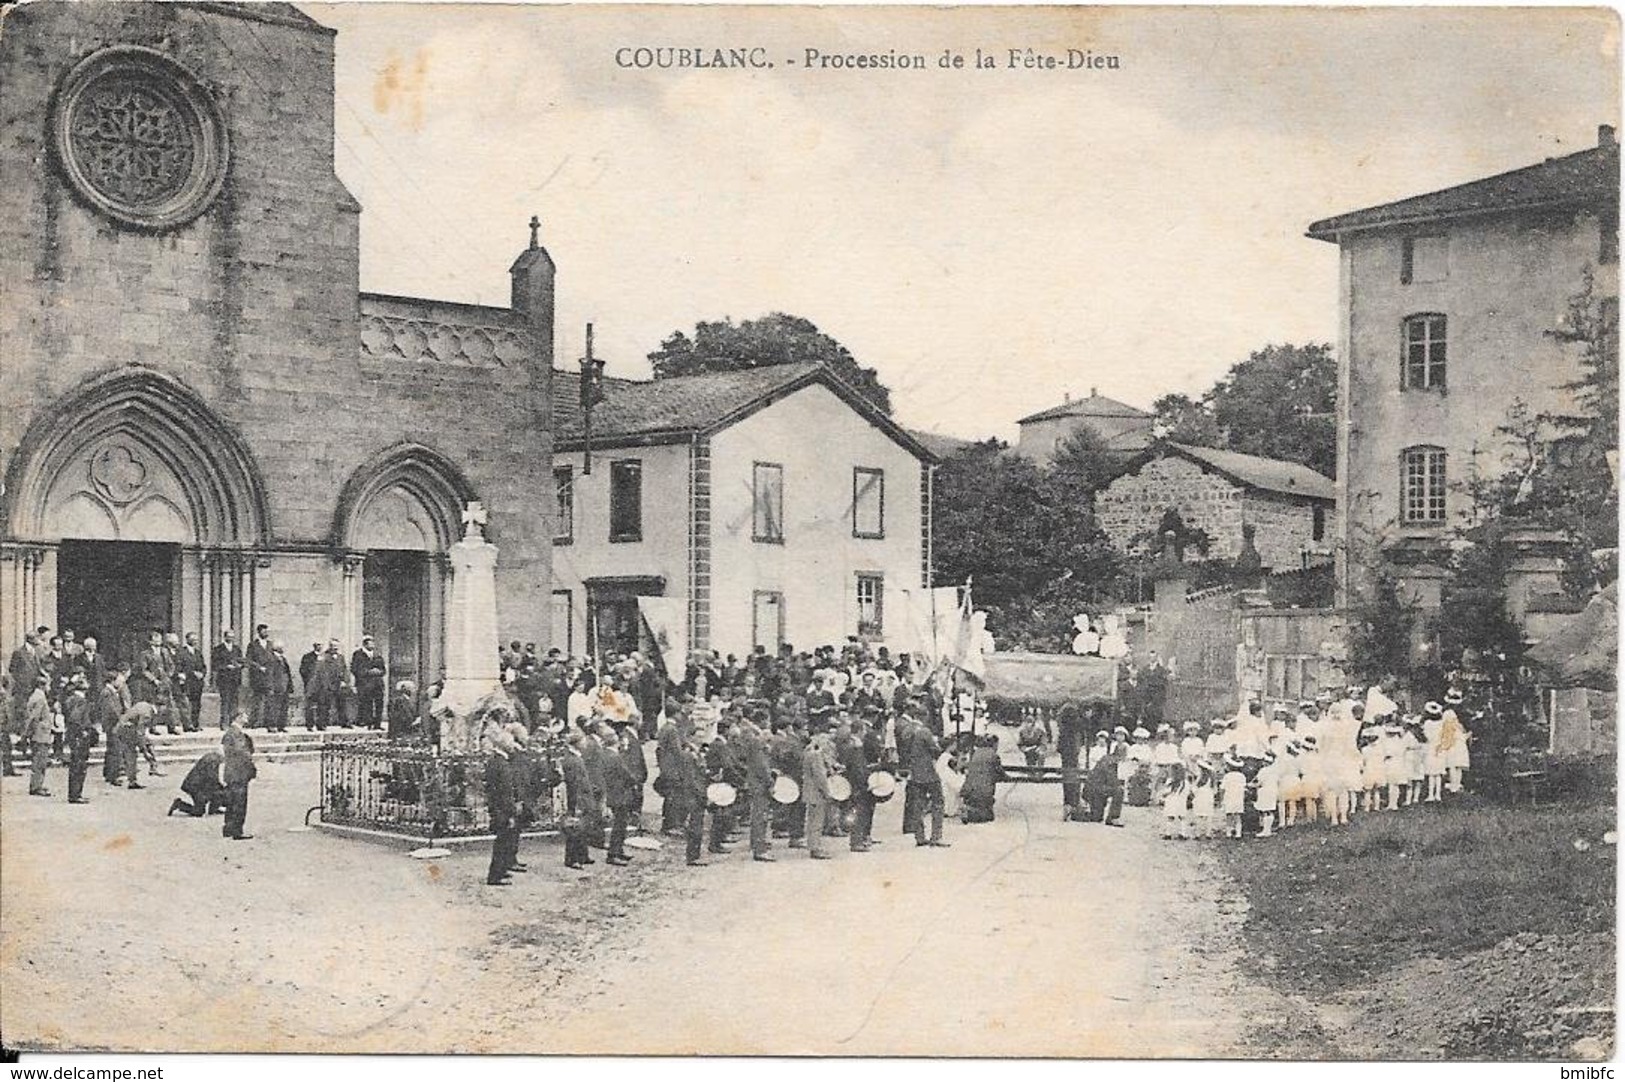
(1094, 392)
(1066, 396)
(1605, 135)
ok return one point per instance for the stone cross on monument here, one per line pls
(474, 520)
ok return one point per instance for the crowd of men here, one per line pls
(61, 697)
(793, 747)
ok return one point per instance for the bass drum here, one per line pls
(719, 794)
(882, 785)
(839, 788)
(785, 790)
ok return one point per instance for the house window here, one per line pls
(1318, 528)
(1423, 362)
(767, 503)
(1422, 484)
(868, 502)
(1293, 677)
(564, 497)
(871, 595)
(626, 500)
(1424, 259)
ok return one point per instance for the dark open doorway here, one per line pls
(394, 610)
(116, 592)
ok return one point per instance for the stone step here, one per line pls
(293, 745)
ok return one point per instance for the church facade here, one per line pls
(203, 421)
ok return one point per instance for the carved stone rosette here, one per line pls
(139, 138)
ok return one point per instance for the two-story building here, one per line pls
(776, 502)
(1447, 303)
(1125, 430)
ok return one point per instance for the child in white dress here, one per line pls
(1176, 800)
(1415, 761)
(1432, 757)
(1311, 777)
(1233, 795)
(1393, 764)
(1371, 776)
(1266, 795)
(1204, 801)
(1290, 789)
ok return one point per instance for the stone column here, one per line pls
(352, 599)
(471, 625)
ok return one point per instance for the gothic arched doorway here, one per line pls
(130, 506)
(398, 517)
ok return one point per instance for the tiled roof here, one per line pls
(940, 445)
(1255, 471)
(666, 410)
(1588, 177)
(1095, 405)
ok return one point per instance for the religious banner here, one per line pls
(667, 621)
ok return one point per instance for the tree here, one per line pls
(1082, 463)
(1281, 402)
(726, 346)
(1028, 539)
(1183, 419)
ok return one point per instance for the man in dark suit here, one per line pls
(202, 784)
(326, 684)
(278, 690)
(368, 669)
(501, 800)
(577, 800)
(190, 664)
(620, 793)
(227, 662)
(691, 786)
(855, 766)
(759, 779)
(93, 664)
(150, 682)
(258, 658)
(785, 748)
(594, 756)
(631, 753)
(110, 706)
(307, 682)
(923, 749)
(24, 669)
(668, 763)
(79, 722)
(236, 772)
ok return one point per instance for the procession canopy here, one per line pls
(1028, 679)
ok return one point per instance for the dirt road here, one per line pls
(120, 928)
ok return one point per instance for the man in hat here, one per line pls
(227, 662)
(501, 800)
(38, 720)
(923, 780)
(192, 671)
(578, 800)
(79, 728)
(759, 779)
(278, 689)
(859, 754)
(594, 755)
(620, 791)
(325, 688)
(368, 670)
(815, 770)
(668, 760)
(236, 771)
(691, 784)
(786, 750)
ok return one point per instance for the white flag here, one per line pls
(667, 620)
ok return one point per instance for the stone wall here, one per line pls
(1131, 507)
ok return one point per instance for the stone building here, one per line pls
(1447, 302)
(776, 503)
(1220, 493)
(1125, 430)
(203, 422)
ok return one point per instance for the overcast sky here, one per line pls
(989, 241)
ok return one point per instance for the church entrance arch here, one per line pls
(130, 506)
(398, 517)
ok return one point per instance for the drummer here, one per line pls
(855, 764)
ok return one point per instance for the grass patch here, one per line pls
(1336, 908)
